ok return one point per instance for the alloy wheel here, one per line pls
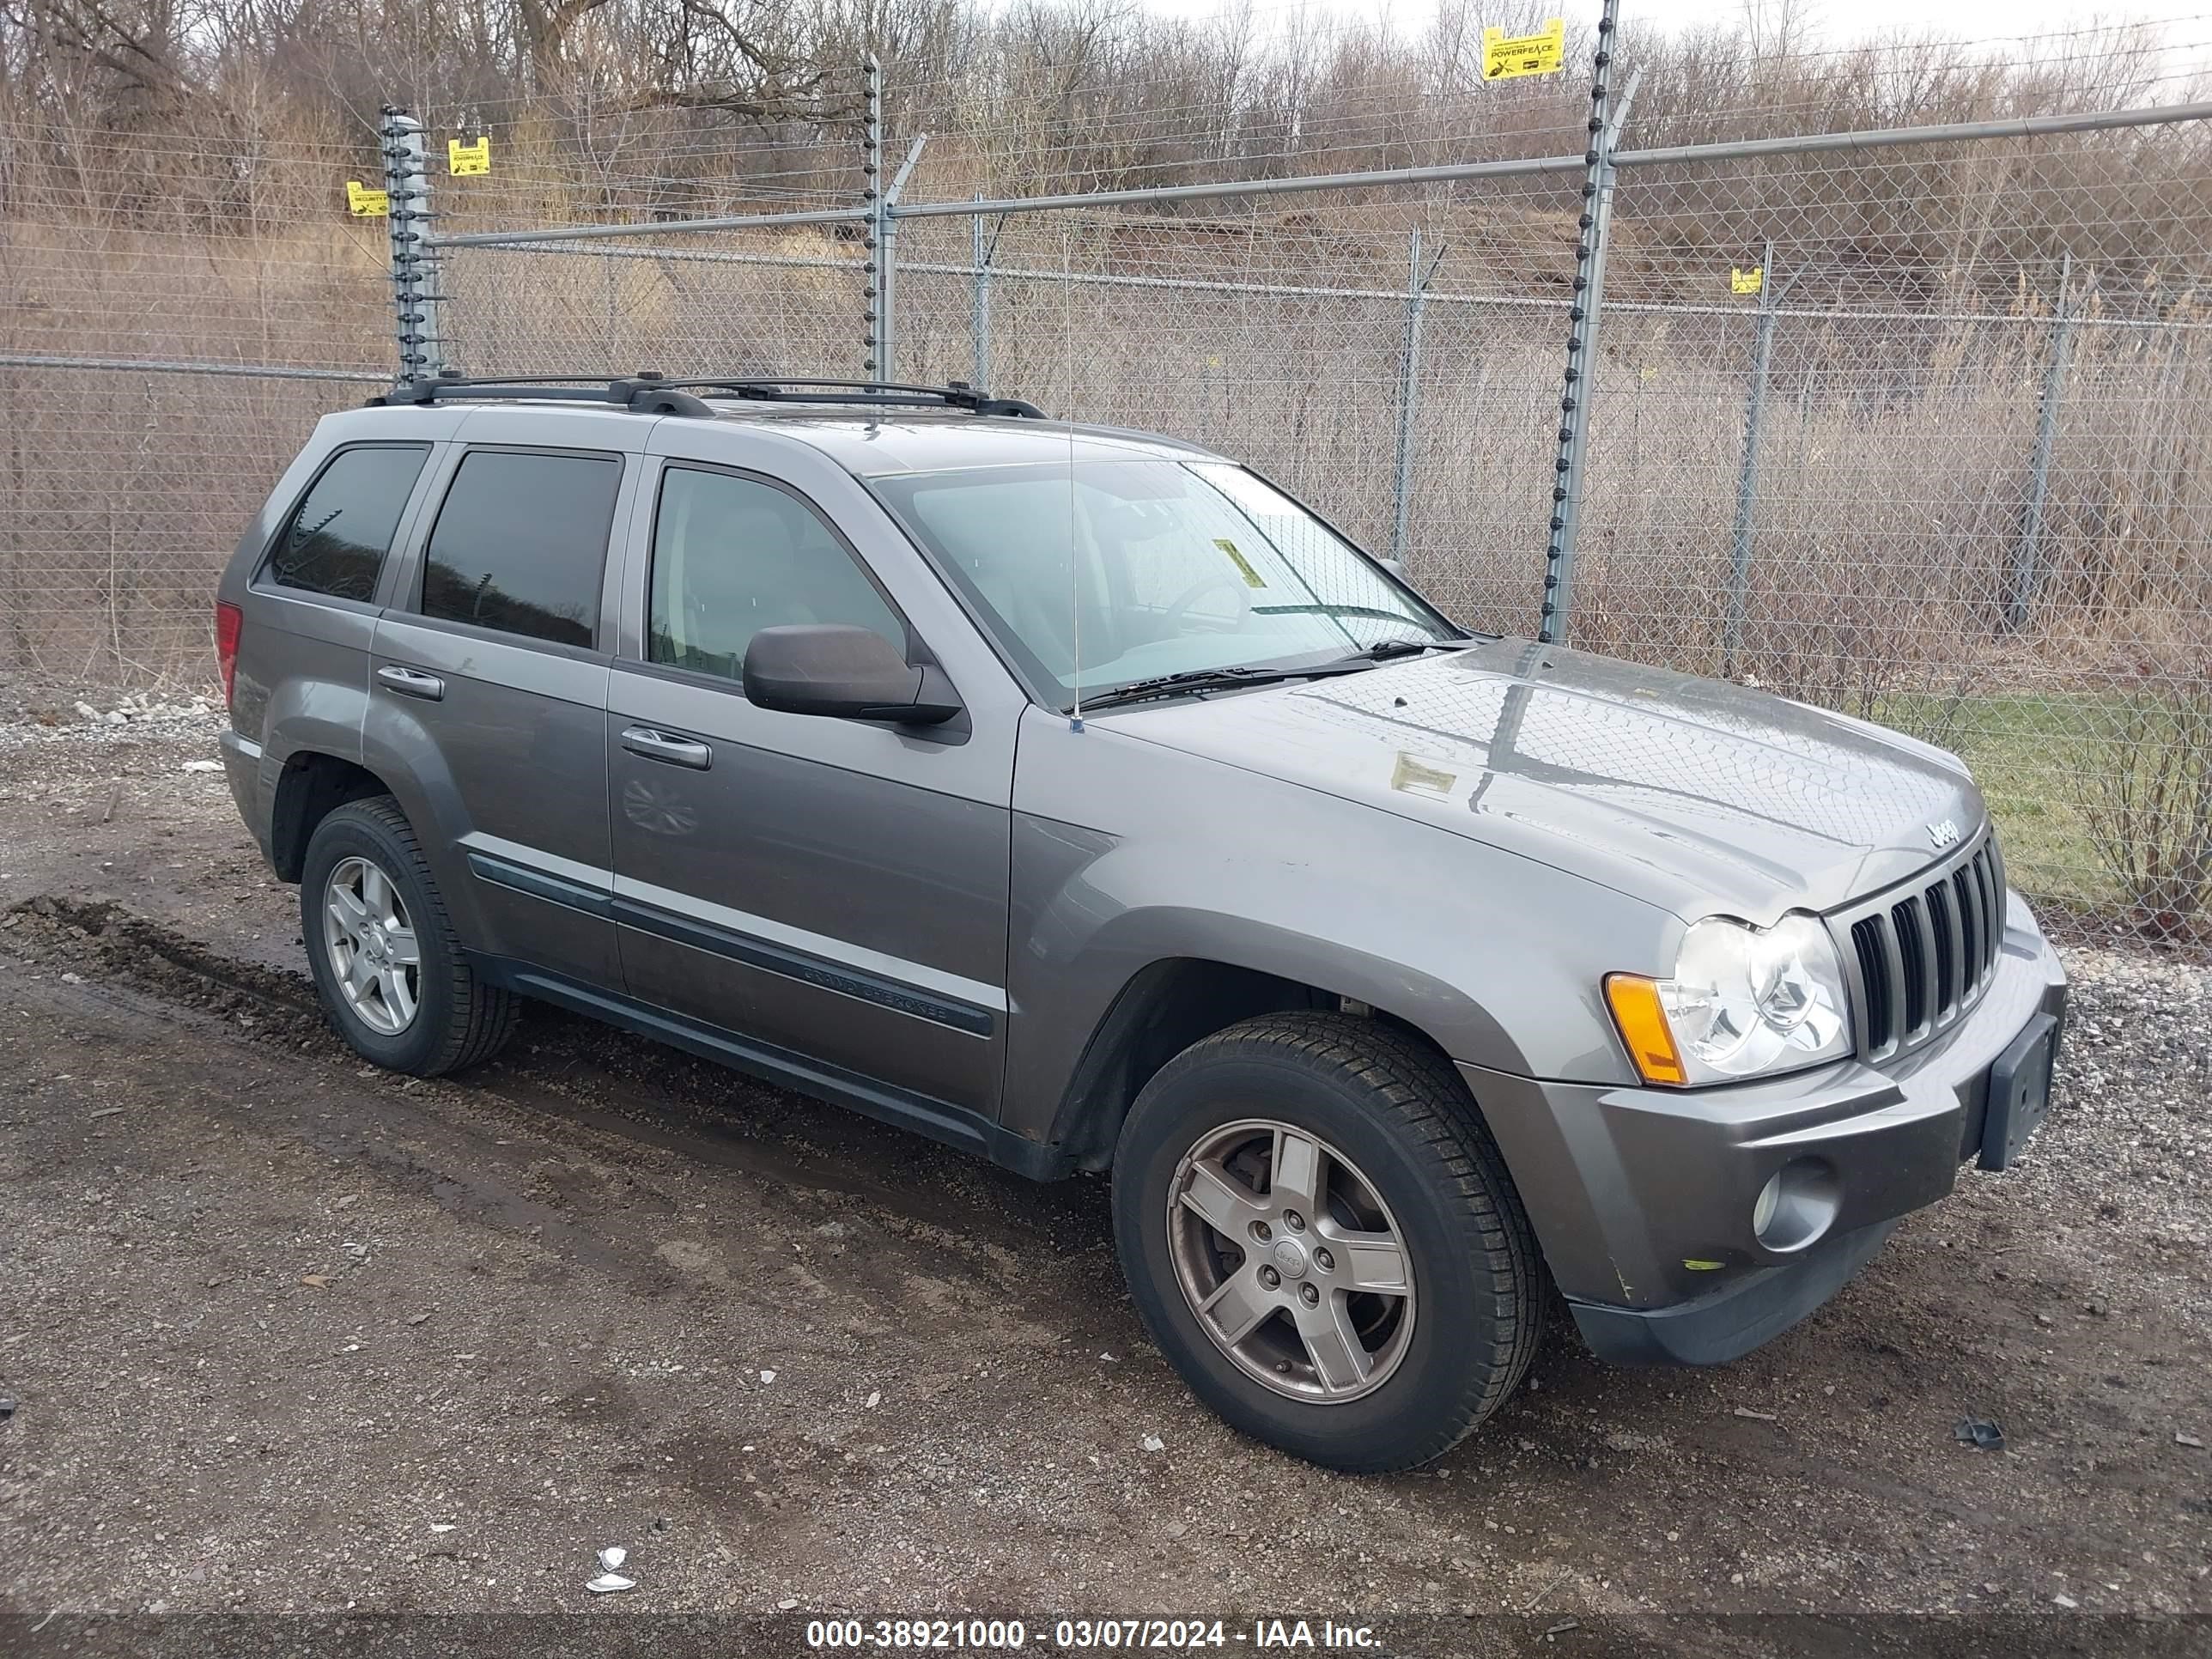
(1290, 1261)
(375, 958)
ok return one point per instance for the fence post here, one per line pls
(1409, 382)
(1605, 126)
(415, 299)
(877, 271)
(1746, 480)
(2026, 575)
(887, 258)
(979, 318)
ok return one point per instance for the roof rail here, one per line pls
(776, 389)
(641, 394)
(649, 394)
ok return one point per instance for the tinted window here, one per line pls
(520, 544)
(733, 556)
(336, 541)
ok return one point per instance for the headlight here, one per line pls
(1742, 1002)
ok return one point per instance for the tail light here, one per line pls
(229, 621)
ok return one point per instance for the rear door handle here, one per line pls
(413, 683)
(667, 746)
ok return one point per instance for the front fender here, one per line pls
(1125, 855)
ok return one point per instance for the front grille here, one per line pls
(1921, 958)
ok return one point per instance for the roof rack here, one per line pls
(649, 394)
(957, 395)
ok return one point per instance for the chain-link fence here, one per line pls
(1910, 428)
(175, 312)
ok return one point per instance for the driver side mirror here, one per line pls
(845, 672)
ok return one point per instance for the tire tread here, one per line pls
(1405, 1078)
(479, 1017)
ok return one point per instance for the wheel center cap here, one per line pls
(1289, 1257)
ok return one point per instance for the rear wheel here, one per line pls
(389, 971)
(1320, 1234)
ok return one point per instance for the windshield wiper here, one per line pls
(1194, 679)
(1212, 679)
(1384, 650)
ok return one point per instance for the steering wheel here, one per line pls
(1198, 590)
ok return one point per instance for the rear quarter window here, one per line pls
(520, 543)
(337, 538)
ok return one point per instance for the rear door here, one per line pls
(489, 684)
(833, 892)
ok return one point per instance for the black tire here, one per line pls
(1399, 1111)
(458, 1020)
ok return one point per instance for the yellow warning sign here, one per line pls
(1252, 578)
(366, 204)
(1506, 56)
(463, 159)
(1746, 282)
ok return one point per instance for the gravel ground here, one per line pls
(289, 1335)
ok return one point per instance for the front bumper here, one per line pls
(1643, 1198)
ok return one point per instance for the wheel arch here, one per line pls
(313, 785)
(1163, 1009)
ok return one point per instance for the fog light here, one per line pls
(1796, 1206)
(1770, 1195)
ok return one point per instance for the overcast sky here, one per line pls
(1838, 21)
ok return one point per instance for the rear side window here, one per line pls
(521, 543)
(732, 555)
(335, 539)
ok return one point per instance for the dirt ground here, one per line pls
(287, 1334)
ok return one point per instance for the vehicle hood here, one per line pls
(1699, 796)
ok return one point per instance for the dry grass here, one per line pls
(1894, 456)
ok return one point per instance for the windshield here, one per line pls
(1145, 568)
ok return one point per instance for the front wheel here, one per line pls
(1321, 1235)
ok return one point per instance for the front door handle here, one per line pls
(667, 746)
(413, 683)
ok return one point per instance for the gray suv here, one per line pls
(1077, 797)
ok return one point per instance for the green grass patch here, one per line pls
(2038, 758)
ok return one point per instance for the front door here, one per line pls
(831, 893)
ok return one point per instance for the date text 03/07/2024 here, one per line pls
(1168, 1635)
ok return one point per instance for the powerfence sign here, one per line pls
(464, 160)
(366, 204)
(1746, 282)
(1504, 57)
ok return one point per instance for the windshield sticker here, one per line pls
(1252, 578)
(1413, 778)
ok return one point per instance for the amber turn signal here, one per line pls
(1635, 1003)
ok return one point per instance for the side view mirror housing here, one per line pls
(845, 673)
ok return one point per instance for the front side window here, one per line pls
(520, 544)
(1124, 571)
(732, 555)
(336, 541)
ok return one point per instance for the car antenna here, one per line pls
(1074, 582)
